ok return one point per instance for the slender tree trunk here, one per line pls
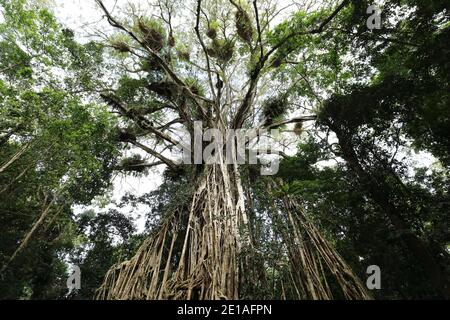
(15, 157)
(29, 235)
(377, 190)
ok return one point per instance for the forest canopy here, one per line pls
(350, 105)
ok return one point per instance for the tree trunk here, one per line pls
(207, 267)
(377, 190)
(29, 235)
(15, 157)
(213, 246)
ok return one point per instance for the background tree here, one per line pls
(56, 150)
(378, 119)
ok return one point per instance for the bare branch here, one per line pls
(245, 106)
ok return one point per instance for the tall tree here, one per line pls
(216, 71)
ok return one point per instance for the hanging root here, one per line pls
(309, 251)
(205, 252)
(207, 267)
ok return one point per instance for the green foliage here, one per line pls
(69, 146)
(221, 49)
(108, 238)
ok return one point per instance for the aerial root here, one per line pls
(202, 257)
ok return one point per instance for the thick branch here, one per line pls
(167, 125)
(200, 39)
(142, 122)
(28, 236)
(264, 128)
(245, 106)
(271, 152)
(316, 30)
(139, 165)
(15, 157)
(152, 152)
